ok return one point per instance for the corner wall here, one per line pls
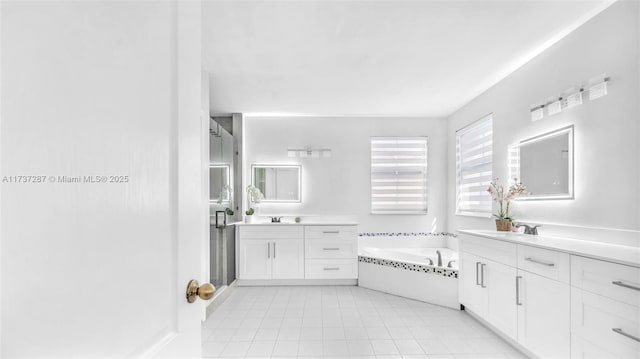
(607, 130)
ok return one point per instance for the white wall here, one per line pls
(340, 185)
(606, 130)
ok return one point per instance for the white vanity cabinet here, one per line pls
(563, 303)
(487, 281)
(510, 286)
(283, 253)
(271, 252)
(605, 309)
(331, 252)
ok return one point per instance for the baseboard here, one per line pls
(220, 297)
(302, 282)
(507, 339)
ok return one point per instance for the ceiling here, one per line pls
(376, 58)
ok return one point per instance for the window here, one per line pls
(474, 161)
(399, 175)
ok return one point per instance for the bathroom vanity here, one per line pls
(297, 253)
(553, 297)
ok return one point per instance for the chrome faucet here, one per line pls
(449, 264)
(439, 258)
(430, 261)
(528, 229)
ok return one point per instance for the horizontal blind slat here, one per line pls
(474, 162)
(398, 175)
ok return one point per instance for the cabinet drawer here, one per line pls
(330, 232)
(608, 326)
(495, 250)
(272, 231)
(331, 269)
(322, 248)
(550, 264)
(616, 281)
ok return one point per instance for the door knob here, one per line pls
(194, 290)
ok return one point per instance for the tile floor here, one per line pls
(342, 322)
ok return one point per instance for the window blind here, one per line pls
(399, 175)
(474, 162)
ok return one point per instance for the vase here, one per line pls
(503, 225)
(248, 219)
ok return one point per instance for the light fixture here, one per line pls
(537, 113)
(575, 99)
(309, 152)
(598, 90)
(554, 107)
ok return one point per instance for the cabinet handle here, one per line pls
(482, 275)
(539, 261)
(332, 268)
(621, 332)
(331, 249)
(268, 249)
(330, 232)
(518, 278)
(622, 284)
(477, 274)
(274, 250)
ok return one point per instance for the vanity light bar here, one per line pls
(309, 152)
(572, 100)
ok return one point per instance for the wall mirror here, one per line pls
(278, 183)
(218, 178)
(544, 164)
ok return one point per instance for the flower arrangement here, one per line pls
(497, 192)
(226, 192)
(254, 196)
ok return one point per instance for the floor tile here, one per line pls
(260, 349)
(212, 349)
(335, 348)
(266, 334)
(343, 322)
(235, 349)
(310, 348)
(360, 348)
(285, 349)
(333, 333)
(408, 347)
(384, 347)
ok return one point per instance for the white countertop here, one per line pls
(608, 252)
(303, 223)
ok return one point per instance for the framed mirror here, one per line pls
(278, 183)
(218, 178)
(544, 164)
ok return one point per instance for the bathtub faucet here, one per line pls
(450, 263)
(439, 258)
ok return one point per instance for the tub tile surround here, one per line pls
(445, 272)
(342, 322)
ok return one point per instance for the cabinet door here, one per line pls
(255, 259)
(500, 283)
(288, 259)
(602, 327)
(472, 294)
(544, 316)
